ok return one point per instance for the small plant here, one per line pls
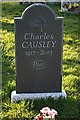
(20, 110)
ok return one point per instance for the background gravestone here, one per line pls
(38, 39)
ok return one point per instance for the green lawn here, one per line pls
(67, 109)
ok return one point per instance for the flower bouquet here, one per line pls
(70, 6)
(46, 114)
(73, 7)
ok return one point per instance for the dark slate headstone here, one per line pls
(38, 40)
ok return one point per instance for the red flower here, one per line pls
(40, 117)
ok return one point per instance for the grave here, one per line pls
(38, 44)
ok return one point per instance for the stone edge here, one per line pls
(24, 96)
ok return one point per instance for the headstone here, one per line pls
(38, 40)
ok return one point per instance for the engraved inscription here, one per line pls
(41, 52)
(39, 64)
(38, 21)
(38, 41)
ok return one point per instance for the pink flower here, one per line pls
(44, 110)
(54, 111)
(51, 114)
(47, 112)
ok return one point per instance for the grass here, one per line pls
(67, 109)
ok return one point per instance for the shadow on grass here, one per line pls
(8, 26)
(67, 108)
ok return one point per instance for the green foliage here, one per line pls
(23, 109)
(68, 108)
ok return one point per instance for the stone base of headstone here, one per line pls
(24, 96)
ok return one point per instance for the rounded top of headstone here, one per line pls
(38, 7)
